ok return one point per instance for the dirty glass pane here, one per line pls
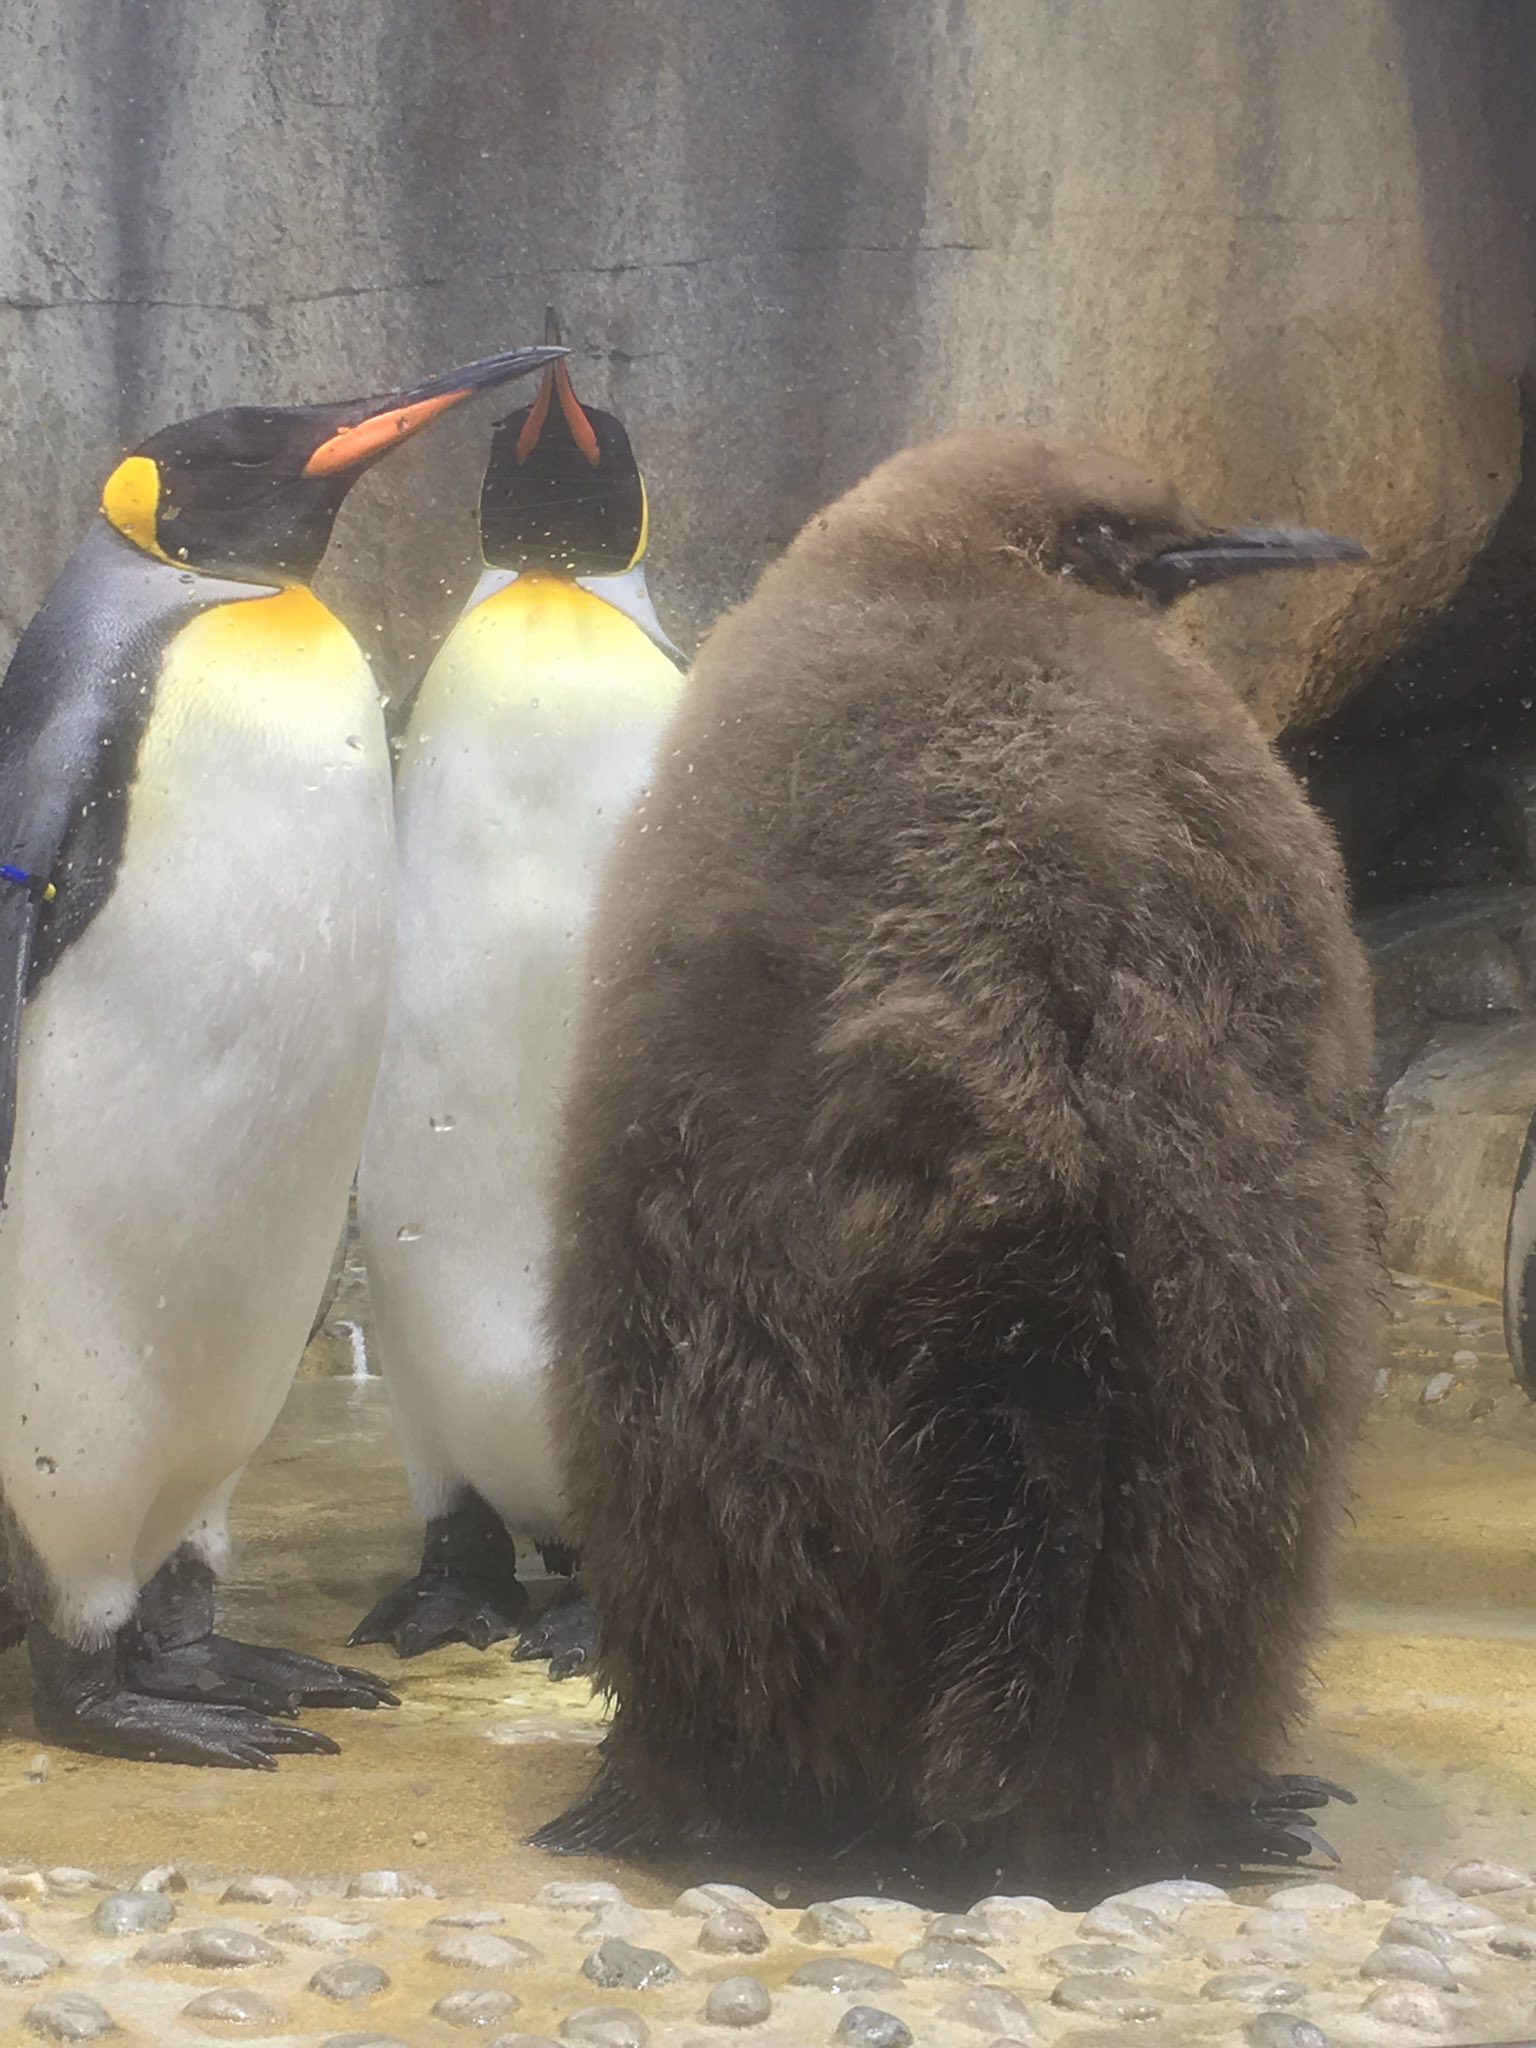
(768, 1252)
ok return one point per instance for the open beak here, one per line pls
(378, 424)
(557, 390)
(1243, 551)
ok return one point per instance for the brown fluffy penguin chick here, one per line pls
(965, 1233)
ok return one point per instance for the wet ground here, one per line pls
(1426, 1701)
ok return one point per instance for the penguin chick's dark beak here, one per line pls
(380, 424)
(1242, 551)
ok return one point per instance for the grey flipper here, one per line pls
(1520, 1269)
(73, 708)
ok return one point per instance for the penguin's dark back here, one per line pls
(963, 1238)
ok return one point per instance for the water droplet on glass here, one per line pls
(408, 1233)
(441, 1123)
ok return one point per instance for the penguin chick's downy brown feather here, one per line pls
(965, 1230)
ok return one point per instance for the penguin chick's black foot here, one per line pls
(170, 1651)
(466, 1591)
(1275, 1826)
(80, 1701)
(565, 1633)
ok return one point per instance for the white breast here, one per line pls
(533, 734)
(193, 1082)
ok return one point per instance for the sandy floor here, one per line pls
(1426, 1703)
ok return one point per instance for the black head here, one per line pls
(562, 490)
(252, 491)
(985, 502)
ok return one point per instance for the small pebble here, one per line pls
(524, 2041)
(1469, 1880)
(578, 1898)
(1418, 1891)
(1274, 1920)
(990, 2010)
(738, 2002)
(420, 1838)
(210, 1948)
(1519, 1943)
(70, 2016)
(68, 1883)
(472, 1917)
(1282, 2030)
(1005, 1909)
(363, 2041)
(165, 1877)
(23, 1884)
(868, 2027)
(314, 1930)
(349, 1980)
(1087, 1958)
(614, 2026)
(1116, 1920)
(845, 1973)
(257, 1890)
(133, 1913)
(1312, 1898)
(954, 1959)
(235, 2007)
(730, 1932)
(1408, 1965)
(709, 1898)
(831, 1925)
(1464, 1357)
(11, 1921)
(1403, 1931)
(876, 1903)
(1261, 1954)
(475, 2008)
(623, 1919)
(38, 1769)
(969, 1927)
(23, 1960)
(388, 1884)
(1465, 1915)
(484, 1952)
(1411, 2005)
(1437, 1386)
(1251, 1987)
(1104, 1998)
(1171, 1897)
(617, 1965)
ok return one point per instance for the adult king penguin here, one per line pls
(963, 1236)
(533, 731)
(196, 912)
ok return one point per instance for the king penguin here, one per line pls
(963, 1233)
(196, 917)
(533, 731)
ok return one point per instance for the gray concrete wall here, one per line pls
(1282, 249)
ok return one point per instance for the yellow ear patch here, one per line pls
(645, 528)
(130, 499)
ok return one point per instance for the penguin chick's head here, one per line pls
(985, 503)
(562, 490)
(252, 491)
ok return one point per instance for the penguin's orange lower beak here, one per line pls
(380, 424)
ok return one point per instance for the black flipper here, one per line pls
(171, 1651)
(73, 708)
(466, 1591)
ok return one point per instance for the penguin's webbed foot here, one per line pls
(80, 1701)
(1274, 1826)
(217, 1670)
(466, 1590)
(565, 1633)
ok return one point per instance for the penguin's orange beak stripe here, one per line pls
(557, 381)
(366, 438)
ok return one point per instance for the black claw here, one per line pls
(216, 1670)
(466, 1590)
(565, 1633)
(81, 1702)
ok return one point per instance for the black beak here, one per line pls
(1243, 551)
(372, 426)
